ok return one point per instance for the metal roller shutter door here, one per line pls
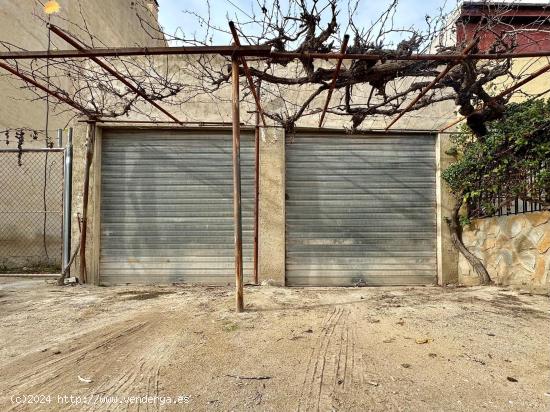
(167, 207)
(360, 210)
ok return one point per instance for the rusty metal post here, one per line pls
(67, 200)
(247, 73)
(256, 189)
(237, 216)
(90, 141)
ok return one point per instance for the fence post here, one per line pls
(59, 137)
(67, 199)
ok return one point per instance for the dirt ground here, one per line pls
(428, 348)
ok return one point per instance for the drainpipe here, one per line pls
(67, 199)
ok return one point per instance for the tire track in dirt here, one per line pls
(136, 350)
(328, 363)
(38, 372)
(141, 376)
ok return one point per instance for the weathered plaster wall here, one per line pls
(447, 255)
(79, 149)
(114, 22)
(216, 107)
(515, 250)
(271, 215)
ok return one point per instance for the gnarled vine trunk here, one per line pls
(456, 238)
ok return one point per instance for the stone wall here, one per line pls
(515, 250)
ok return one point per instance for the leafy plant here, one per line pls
(511, 161)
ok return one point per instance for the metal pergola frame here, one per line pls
(238, 54)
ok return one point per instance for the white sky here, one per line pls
(410, 13)
(172, 13)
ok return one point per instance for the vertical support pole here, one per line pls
(59, 137)
(237, 184)
(88, 162)
(256, 189)
(67, 200)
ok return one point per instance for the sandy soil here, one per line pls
(293, 349)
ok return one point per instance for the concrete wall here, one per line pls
(271, 216)
(515, 250)
(447, 255)
(215, 106)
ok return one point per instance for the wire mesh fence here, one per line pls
(31, 210)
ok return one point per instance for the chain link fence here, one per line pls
(31, 210)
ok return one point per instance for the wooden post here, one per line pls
(85, 193)
(237, 184)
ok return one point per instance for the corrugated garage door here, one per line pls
(360, 210)
(167, 207)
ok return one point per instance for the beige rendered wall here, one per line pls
(114, 22)
(515, 250)
(271, 216)
(447, 255)
(79, 155)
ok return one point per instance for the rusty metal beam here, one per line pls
(454, 122)
(433, 83)
(237, 212)
(252, 51)
(258, 51)
(343, 49)
(113, 72)
(412, 57)
(504, 93)
(197, 123)
(516, 86)
(422, 94)
(45, 89)
(247, 73)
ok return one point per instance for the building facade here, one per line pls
(334, 209)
